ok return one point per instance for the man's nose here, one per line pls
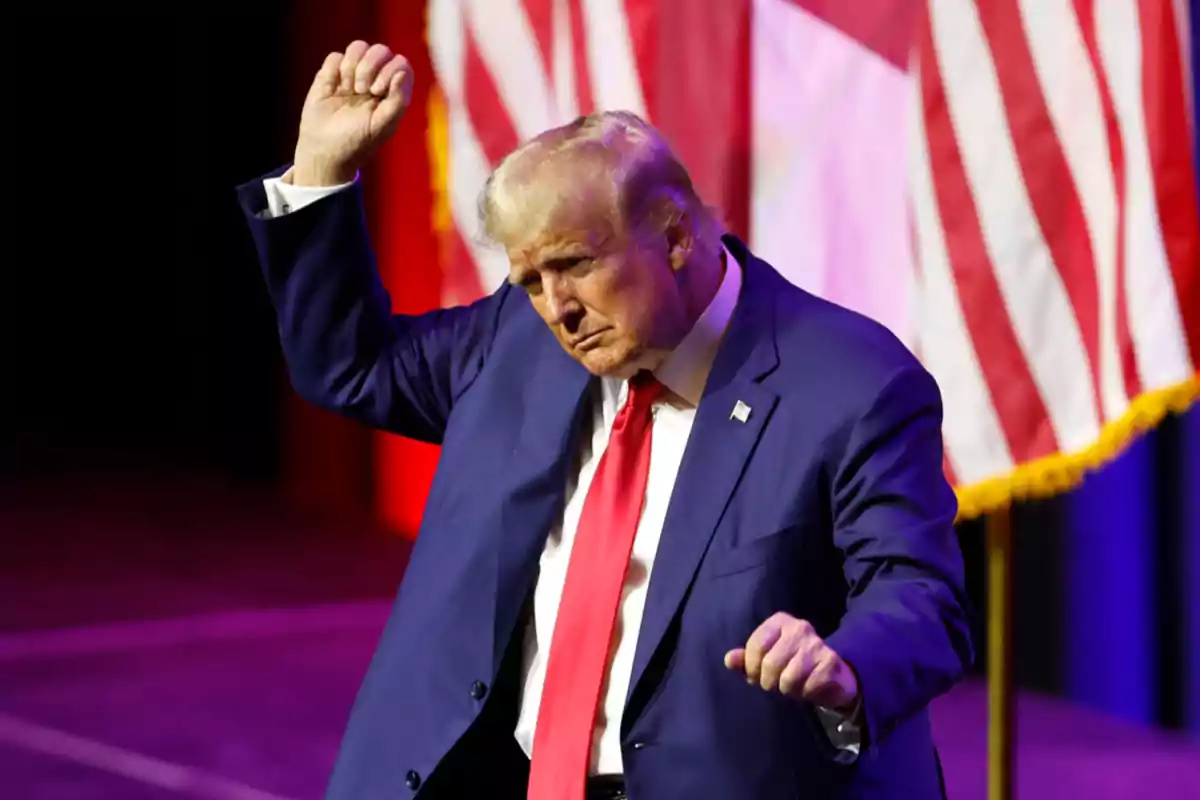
(561, 306)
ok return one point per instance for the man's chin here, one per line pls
(606, 362)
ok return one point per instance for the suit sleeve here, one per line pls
(344, 348)
(905, 630)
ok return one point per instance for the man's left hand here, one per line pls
(786, 653)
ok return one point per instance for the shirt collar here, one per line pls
(685, 370)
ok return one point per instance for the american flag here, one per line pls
(1008, 185)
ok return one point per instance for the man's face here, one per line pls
(610, 296)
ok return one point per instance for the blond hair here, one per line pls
(614, 158)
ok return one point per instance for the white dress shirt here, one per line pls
(684, 374)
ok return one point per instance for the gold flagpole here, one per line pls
(1001, 697)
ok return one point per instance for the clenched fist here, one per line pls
(356, 100)
(786, 654)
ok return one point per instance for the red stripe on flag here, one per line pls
(579, 50)
(737, 180)
(1045, 173)
(1085, 11)
(460, 276)
(884, 26)
(487, 113)
(641, 17)
(707, 120)
(541, 20)
(1165, 103)
(1019, 407)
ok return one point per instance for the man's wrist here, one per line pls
(852, 709)
(312, 173)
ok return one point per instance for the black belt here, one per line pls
(606, 787)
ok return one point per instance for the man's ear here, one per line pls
(680, 239)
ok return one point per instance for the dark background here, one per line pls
(141, 333)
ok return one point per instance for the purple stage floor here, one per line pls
(189, 641)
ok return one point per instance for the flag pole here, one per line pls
(1001, 696)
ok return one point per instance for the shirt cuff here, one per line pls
(844, 734)
(286, 198)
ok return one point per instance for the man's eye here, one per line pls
(568, 263)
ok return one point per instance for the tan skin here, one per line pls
(618, 299)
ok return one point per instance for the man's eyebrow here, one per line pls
(564, 260)
(555, 256)
(559, 252)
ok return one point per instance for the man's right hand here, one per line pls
(355, 103)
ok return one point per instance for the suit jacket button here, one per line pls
(638, 745)
(478, 690)
(413, 780)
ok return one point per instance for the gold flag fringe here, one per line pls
(1061, 472)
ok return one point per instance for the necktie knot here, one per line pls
(644, 391)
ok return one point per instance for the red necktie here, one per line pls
(583, 629)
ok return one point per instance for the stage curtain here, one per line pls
(402, 229)
(325, 459)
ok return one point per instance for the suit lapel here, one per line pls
(729, 421)
(554, 400)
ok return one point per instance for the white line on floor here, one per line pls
(245, 624)
(119, 761)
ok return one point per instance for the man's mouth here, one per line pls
(587, 341)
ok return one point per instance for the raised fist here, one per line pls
(356, 100)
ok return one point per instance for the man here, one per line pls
(689, 536)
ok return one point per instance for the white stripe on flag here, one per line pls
(1072, 95)
(468, 173)
(468, 167)
(1033, 291)
(509, 49)
(974, 442)
(562, 63)
(447, 47)
(1154, 320)
(611, 61)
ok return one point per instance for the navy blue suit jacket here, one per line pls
(828, 502)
